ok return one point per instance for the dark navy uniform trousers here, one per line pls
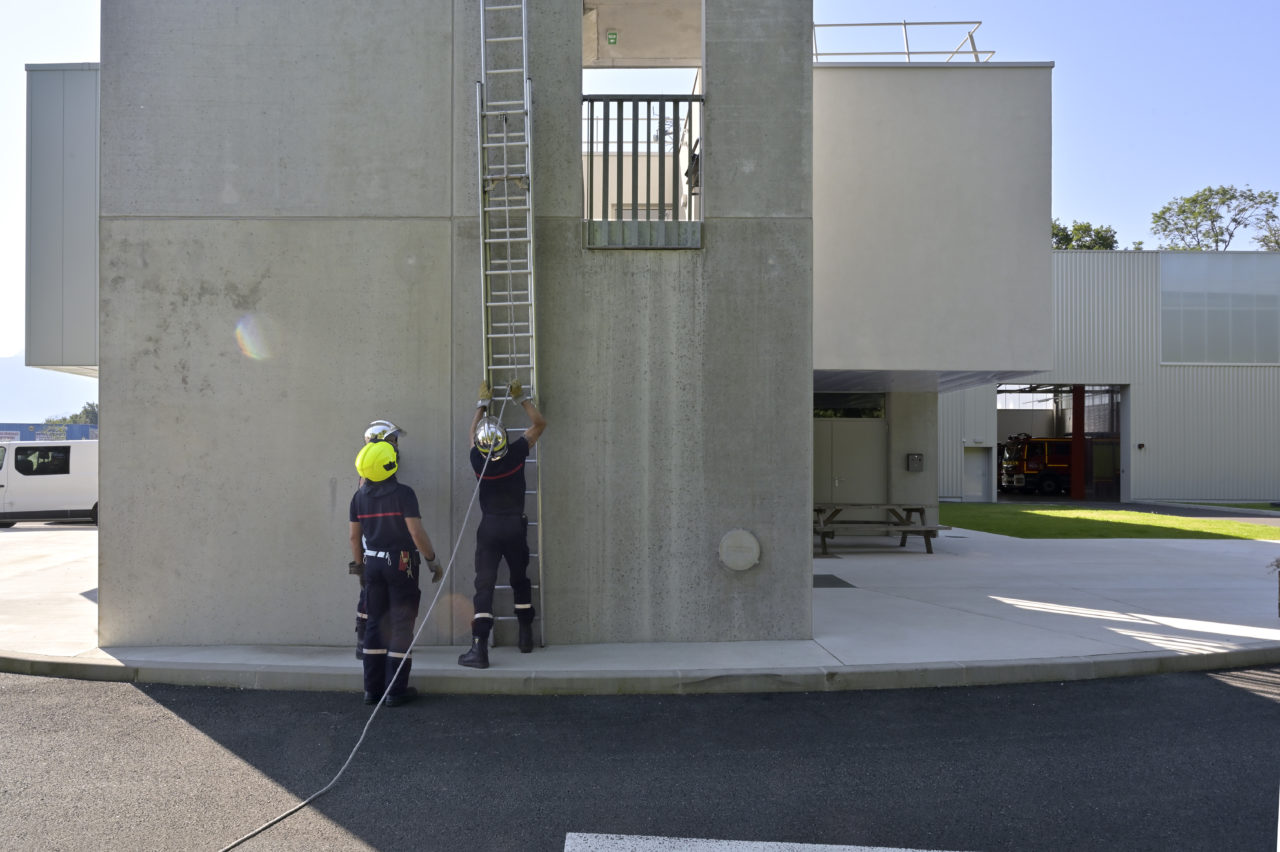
(392, 597)
(501, 537)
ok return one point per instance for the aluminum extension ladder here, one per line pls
(504, 124)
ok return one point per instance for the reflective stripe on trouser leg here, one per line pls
(524, 613)
(481, 624)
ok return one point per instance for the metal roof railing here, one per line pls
(968, 46)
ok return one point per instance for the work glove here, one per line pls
(485, 396)
(515, 390)
(355, 568)
(436, 571)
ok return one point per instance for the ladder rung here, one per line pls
(519, 103)
(500, 39)
(505, 8)
(509, 209)
(505, 71)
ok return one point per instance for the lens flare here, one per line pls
(255, 336)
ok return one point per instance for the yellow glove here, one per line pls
(485, 396)
(515, 390)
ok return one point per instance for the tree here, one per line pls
(1082, 235)
(88, 414)
(1269, 225)
(1207, 220)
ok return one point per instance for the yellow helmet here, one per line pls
(376, 461)
(491, 438)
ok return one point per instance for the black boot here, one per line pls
(525, 640)
(478, 656)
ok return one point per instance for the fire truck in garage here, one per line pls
(1034, 465)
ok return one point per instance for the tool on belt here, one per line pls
(410, 560)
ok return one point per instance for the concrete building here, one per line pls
(1183, 346)
(290, 246)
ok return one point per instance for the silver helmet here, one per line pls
(383, 430)
(491, 438)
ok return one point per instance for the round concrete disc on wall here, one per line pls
(739, 550)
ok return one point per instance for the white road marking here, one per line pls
(639, 843)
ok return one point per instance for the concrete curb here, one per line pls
(1233, 510)
(326, 678)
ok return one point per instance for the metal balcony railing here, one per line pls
(849, 42)
(642, 170)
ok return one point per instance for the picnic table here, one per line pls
(903, 519)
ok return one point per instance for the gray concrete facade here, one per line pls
(289, 249)
(682, 381)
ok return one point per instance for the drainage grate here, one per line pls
(830, 581)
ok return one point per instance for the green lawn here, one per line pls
(1056, 520)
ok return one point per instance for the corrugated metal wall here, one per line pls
(966, 418)
(1208, 432)
(62, 218)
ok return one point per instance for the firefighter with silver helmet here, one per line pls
(388, 540)
(503, 532)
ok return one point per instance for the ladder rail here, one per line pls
(504, 142)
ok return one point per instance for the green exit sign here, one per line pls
(611, 36)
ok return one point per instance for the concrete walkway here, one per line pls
(982, 609)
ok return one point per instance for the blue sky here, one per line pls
(1151, 101)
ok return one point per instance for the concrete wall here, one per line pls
(62, 218)
(277, 264)
(290, 249)
(913, 428)
(933, 187)
(693, 415)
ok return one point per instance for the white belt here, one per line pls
(381, 554)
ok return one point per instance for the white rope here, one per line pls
(439, 588)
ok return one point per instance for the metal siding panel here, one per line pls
(62, 218)
(951, 418)
(965, 418)
(44, 218)
(80, 219)
(1208, 431)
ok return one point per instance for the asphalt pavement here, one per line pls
(1169, 762)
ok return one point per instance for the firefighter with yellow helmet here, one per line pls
(503, 532)
(378, 430)
(388, 539)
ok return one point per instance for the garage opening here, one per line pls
(1039, 455)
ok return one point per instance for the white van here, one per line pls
(48, 481)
